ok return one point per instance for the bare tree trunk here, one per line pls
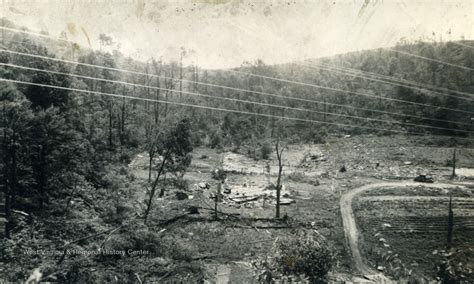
(450, 223)
(155, 183)
(325, 110)
(122, 118)
(181, 77)
(43, 176)
(454, 164)
(14, 169)
(279, 152)
(216, 199)
(7, 211)
(151, 154)
(156, 105)
(122, 124)
(110, 125)
(8, 193)
(145, 82)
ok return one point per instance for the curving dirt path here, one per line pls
(350, 226)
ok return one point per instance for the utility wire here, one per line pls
(68, 41)
(36, 34)
(431, 59)
(222, 109)
(270, 78)
(316, 66)
(462, 44)
(223, 87)
(229, 70)
(227, 99)
(345, 91)
(406, 82)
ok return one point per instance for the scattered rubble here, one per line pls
(252, 196)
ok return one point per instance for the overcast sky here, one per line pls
(224, 33)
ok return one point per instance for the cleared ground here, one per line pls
(312, 177)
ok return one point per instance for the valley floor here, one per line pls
(199, 247)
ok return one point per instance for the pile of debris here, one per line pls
(251, 197)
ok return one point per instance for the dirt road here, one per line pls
(350, 227)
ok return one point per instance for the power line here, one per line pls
(431, 59)
(222, 109)
(226, 87)
(276, 79)
(391, 81)
(36, 34)
(405, 81)
(186, 92)
(398, 80)
(345, 91)
(461, 44)
(279, 79)
(228, 99)
(68, 41)
(348, 73)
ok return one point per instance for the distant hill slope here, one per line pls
(376, 91)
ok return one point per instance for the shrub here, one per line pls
(125, 158)
(448, 162)
(219, 174)
(298, 254)
(179, 183)
(197, 139)
(216, 140)
(266, 150)
(315, 135)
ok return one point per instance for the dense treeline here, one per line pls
(375, 100)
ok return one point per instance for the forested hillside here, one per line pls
(360, 92)
(71, 122)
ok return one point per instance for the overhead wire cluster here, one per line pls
(427, 89)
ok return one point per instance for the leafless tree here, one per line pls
(279, 148)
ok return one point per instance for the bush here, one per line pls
(266, 150)
(197, 139)
(315, 135)
(219, 174)
(216, 140)
(298, 254)
(125, 158)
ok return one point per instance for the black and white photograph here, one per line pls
(237, 141)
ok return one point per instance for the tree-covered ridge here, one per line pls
(421, 96)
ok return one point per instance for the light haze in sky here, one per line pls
(224, 33)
